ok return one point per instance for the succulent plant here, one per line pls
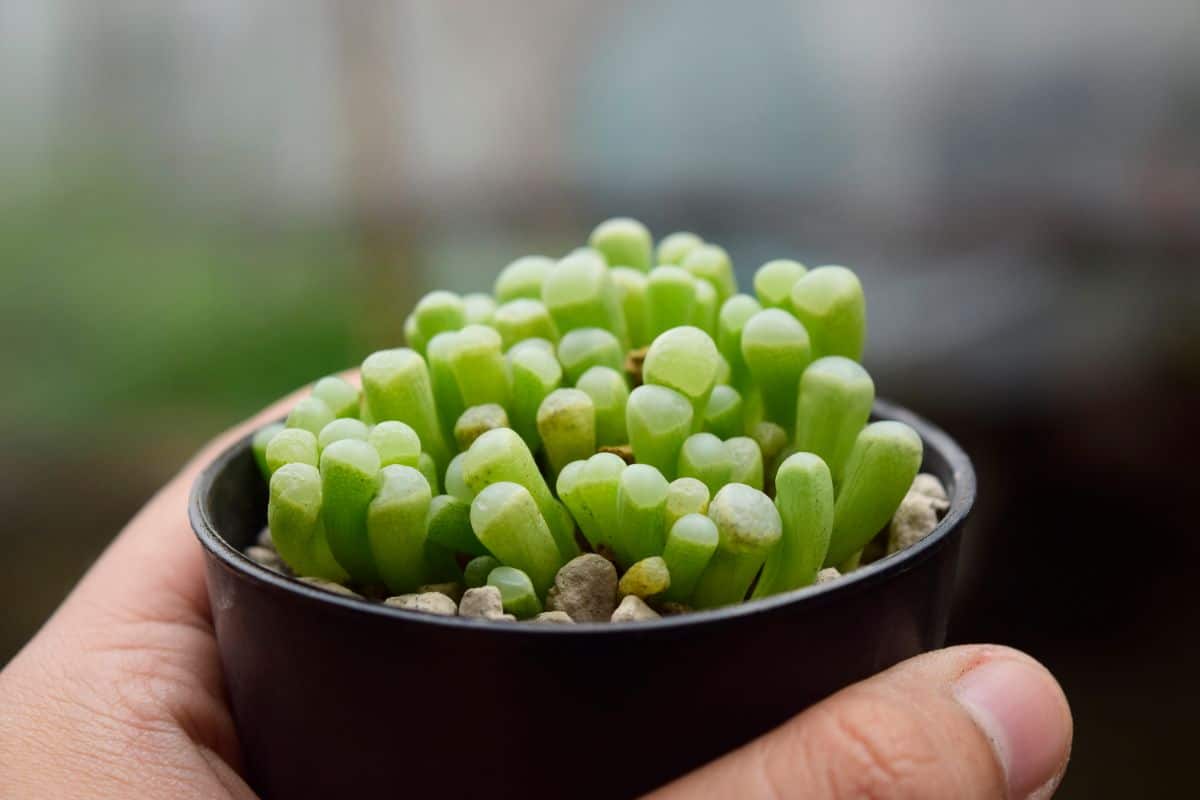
(714, 445)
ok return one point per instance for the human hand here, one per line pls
(965, 722)
(120, 695)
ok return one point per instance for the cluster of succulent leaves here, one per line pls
(496, 446)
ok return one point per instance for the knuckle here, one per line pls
(876, 760)
(866, 747)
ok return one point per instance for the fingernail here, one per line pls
(1020, 709)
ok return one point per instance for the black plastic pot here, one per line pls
(339, 697)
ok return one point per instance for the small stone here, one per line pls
(554, 618)
(264, 539)
(451, 589)
(928, 485)
(828, 574)
(266, 557)
(330, 586)
(912, 522)
(670, 608)
(647, 578)
(585, 588)
(633, 609)
(483, 602)
(427, 602)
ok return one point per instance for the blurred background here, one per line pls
(206, 204)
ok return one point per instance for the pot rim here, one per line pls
(861, 579)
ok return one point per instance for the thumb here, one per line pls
(973, 721)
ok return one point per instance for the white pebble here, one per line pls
(828, 574)
(554, 618)
(483, 602)
(428, 602)
(633, 609)
(912, 522)
(928, 485)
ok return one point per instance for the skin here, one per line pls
(120, 695)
